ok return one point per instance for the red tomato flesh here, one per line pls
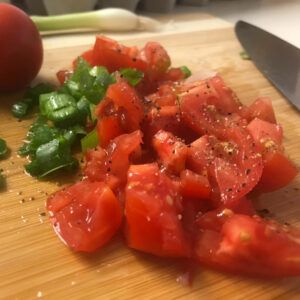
(245, 245)
(153, 213)
(171, 151)
(86, 215)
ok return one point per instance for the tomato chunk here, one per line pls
(157, 59)
(234, 167)
(266, 134)
(124, 96)
(153, 213)
(171, 151)
(165, 96)
(113, 56)
(85, 215)
(113, 162)
(194, 185)
(210, 92)
(262, 109)
(245, 245)
(108, 128)
(272, 179)
(173, 74)
(269, 137)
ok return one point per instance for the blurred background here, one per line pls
(281, 17)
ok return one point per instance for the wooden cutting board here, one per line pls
(35, 264)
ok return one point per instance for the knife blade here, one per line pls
(278, 60)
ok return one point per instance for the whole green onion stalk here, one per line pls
(108, 19)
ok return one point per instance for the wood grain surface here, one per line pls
(35, 264)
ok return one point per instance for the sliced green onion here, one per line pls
(20, 109)
(71, 134)
(39, 133)
(31, 98)
(186, 71)
(244, 55)
(90, 141)
(110, 19)
(51, 157)
(2, 180)
(83, 105)
(62, 109)
(133, 76)
(34, 93)
(92, 112)
(3, 148)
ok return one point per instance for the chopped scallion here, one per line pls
(186, 71)
(51, 157)
(3, 148)
(133, 76)
(90, 141)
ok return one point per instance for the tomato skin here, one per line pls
(210, 92)
(262, 109)
(152, 208)
(245, 245)
(272, 179)
(113, 56)
(173, 74)
(85, 215)
(21, 49)
(266, 134)
(254, 240)
(269, 137)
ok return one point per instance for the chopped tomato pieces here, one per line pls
(179, 159)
